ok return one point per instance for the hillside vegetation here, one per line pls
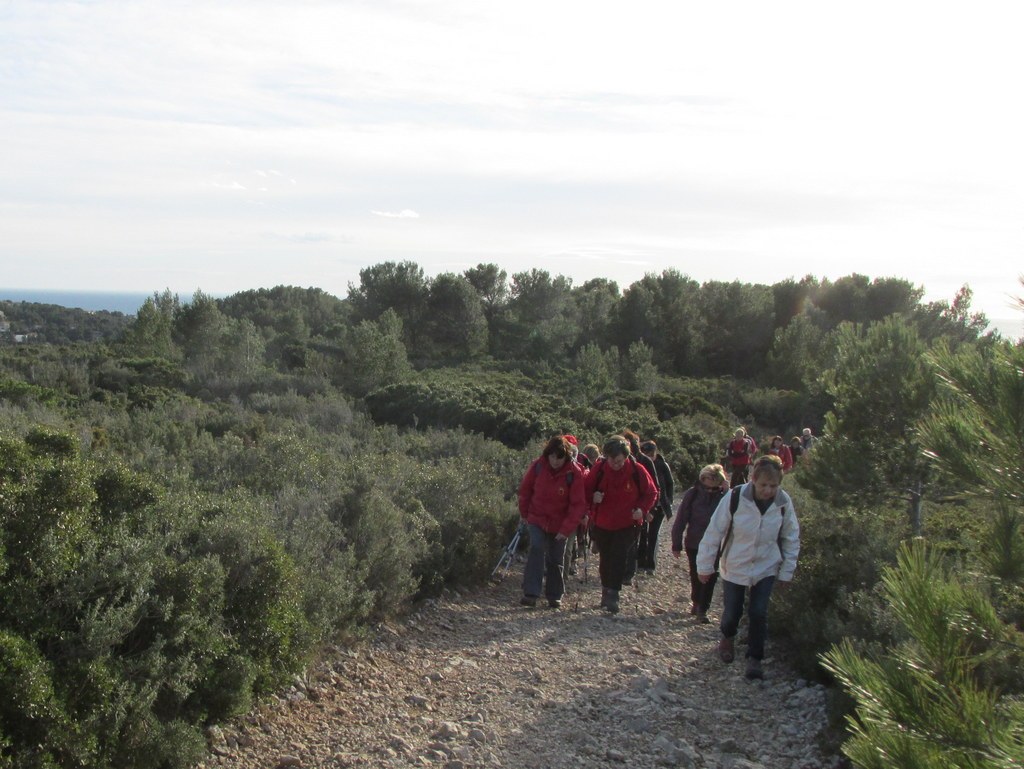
(193, 501)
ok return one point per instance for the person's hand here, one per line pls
(598, 497)
(704, 578)
(584, 520)
(560, 537)
(638, 514)
(649, 517)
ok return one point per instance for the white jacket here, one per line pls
(758, 546)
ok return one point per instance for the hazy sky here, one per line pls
(244, 144)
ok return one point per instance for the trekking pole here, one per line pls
(508, 556)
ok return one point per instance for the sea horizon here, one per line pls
(126, 302)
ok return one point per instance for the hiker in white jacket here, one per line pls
(753, 541)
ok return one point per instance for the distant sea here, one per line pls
(112, 301)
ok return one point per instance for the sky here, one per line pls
(233, 145)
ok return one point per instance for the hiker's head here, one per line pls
(634, 440)
(574, 445)
(592, 451)
(766, 476)
(557, 450)
(616, 451)
(776, 442)
(807, 431)
(712, 477)
(740, 432)
(650, 448)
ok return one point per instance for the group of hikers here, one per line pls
(738, 526)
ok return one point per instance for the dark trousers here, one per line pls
(544, 565)
(613, 547)
(647, 548)
(632, 552)
(739, 475)
(757, 613)
(701, 593)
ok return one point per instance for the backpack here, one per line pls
(734, 504)
(538, 466)
(736, 452)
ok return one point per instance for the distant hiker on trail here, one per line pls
(755, 537)
(796, 448)
(648, 465)
(739, 453)
(647, 548)
(807, 440)
(693, 516)
(779, 448)
(620, 492)
(552, 501)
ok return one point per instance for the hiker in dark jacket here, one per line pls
(647, 549)
(695, 510)
(648, 465)
(552, 500)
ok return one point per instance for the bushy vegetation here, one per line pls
(190, 506)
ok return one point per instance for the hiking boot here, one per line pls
(726, 650)
(627, 581)
(754, 669)
(694, 609)
(612, 602)
(554, 603)
(702, 618)
(528, 600)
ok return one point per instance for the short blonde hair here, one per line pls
(713, 471)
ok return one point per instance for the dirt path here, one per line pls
(478, 681)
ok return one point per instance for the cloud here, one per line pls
(405, 213)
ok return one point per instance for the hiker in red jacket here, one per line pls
(739, 453)
(552, 500)
(621, 493)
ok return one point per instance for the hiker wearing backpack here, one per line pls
(620, 492)
(739, 453)
(693, 516)
(647, 549)
(552, 502)
(755, 537)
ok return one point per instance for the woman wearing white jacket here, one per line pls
(754, 542)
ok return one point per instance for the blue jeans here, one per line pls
(544, 559)
(757, 613)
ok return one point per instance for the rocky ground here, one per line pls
(476, 680)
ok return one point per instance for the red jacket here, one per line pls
(740, 450)
(555, 500)
(624, 490)
(784, 453)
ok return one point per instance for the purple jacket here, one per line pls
(694, 514)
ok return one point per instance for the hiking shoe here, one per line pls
(554, 603)
(626, 582)
(702, 618)
(726, 650)
(612, 602)
(694, 609)
(528, 600)
(754, 669)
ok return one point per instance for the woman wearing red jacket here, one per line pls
(620, 492)
(551, 503)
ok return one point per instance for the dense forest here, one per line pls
(195, 498)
